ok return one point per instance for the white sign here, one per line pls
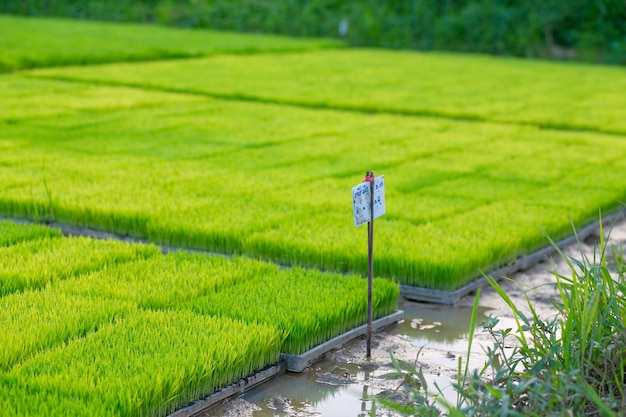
(361, 201)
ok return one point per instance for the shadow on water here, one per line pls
(332, 389)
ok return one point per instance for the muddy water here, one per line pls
(437, 326)
(327, 389)
(343, 388)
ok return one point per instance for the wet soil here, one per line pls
(433, 337)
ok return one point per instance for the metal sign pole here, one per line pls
(370, 262)
(365, 208)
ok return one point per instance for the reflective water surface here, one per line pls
(332, 389)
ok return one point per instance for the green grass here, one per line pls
(36, 42)
(274, 181)
(464, 87)
(571, 362)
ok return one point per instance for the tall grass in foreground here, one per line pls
(571, 364)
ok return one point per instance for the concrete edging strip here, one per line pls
(298, 363)
(237, 388)
(292, 363)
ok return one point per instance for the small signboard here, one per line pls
(361, 201)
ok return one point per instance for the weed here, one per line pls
(571, 364)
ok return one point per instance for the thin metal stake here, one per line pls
(370, 263)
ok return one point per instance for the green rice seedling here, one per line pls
(24, 400)
(274, 182)
(33, 321)
(43, 42)
(43, 101)
(34, 264)
(463, 87)
(83, 338)
(166, 281)
(308, 307)
(151, 363)
(464, 243)
(12, 233)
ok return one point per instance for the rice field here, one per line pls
(35, 264)
(459, 87)
(274, 181)
(12, 233)
(250, 151)
(135, 336)
(249, 146)
(45, 42)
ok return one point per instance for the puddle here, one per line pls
(310, 393)
(328, 390)
(435, 326)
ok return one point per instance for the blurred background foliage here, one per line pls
(587, 30)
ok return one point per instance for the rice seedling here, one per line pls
(463, 87)
(34, 264)
(151, 363)
(13, 233)
(36, 42)
(166, 162)
(34, 321)
(41, 103)
(24, 400)
(92, 336)
(307, 307)
(166, 281)
(273, 182)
